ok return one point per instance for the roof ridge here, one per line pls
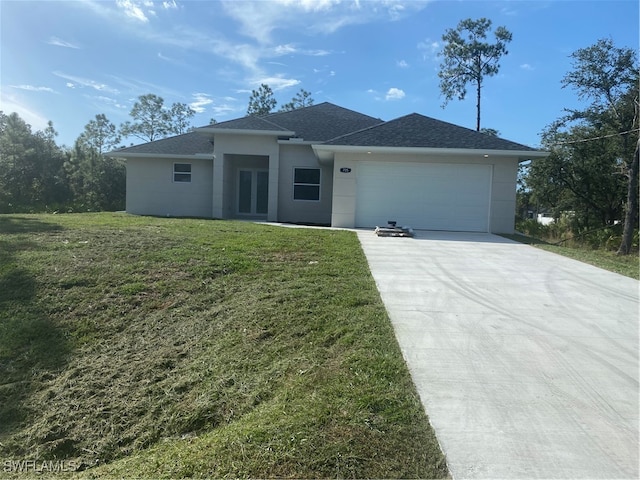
(425, 130)
(280, 112)
(273, 123)
(357, 131)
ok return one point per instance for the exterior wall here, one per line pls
(303, 211)
(152, 191)
(503, 186)
(503, 195)
(226, 149)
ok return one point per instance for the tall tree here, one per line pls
(580, 175)
(301, 100)
(97, 181)
(608, 76)
(469, 58)
(31, 173)
(180, 118)
(153, 121)
(100, 134)
(150, 119)
(262, 101)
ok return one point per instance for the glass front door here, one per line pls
(253, 192)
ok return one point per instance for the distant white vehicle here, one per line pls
(545, 218)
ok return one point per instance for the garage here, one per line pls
(425, 196)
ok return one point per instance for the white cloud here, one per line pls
(71, 85)
(10, 103)
(101, 99)
(84, 82)
(138, 10)
(33, 88)
(161, 56)
(258, 19)
(394, 94)
(290, 49)
(278, 82)
(285, 49)
(429, 48)
(133, 10)
(225, 109)
(243, 54)
(402, 64)
(141, 87)
(58, 42)
(375, 94)
(200, 101)
(526, 66)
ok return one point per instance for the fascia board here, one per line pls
(296, 142)
(328, 150)
(159, 155)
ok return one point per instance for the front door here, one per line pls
(253, 192)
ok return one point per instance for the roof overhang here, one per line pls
(296, 141)
(326, 153)
(204, 156)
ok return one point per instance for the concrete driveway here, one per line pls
(526, 362)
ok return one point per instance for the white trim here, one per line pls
(294, 141)
(327, 152)
(196, 156)
(190, 172)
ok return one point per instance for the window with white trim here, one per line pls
(182, 172)
(306, 184)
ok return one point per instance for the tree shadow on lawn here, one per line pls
(11, 224)
(31, 345)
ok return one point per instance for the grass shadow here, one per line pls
(10, 224)
(30, 343)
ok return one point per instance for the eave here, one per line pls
(161, 155)
(326, 153)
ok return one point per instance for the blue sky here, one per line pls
(67, 61)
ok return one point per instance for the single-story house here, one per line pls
(328, 165)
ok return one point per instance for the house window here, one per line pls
(306, 184)
(182, 172)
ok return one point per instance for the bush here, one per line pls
(562, 231)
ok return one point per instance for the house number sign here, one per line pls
(345, 170)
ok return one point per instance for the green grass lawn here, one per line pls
(150, 347)
(627, 265)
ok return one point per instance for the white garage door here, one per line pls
(424, 196)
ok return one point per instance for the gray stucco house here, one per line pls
(328, 165)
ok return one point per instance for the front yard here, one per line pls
(150, 347)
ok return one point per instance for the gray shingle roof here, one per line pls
(333, 125)
(322, 122)
(416, 130)
(249, 123)
(186, 144)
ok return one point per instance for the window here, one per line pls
(306, 184)
(182, 172)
